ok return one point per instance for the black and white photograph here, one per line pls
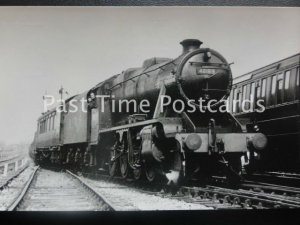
(149, 108)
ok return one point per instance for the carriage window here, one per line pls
(252, 92)
(53, 121)
(252, 96)
(230, 98)
(258, 89)
(298, 72)
(280, 81)
(47, 124)
(244, 104)
(273, 84)
(287, 79)
(280, 88)
(50, 123)
(235, 97)
(263, 90)
(244, 92)
(239, 98)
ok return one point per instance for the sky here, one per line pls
(42, 48)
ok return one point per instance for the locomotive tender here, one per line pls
(158, 144)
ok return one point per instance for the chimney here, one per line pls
(190, 45)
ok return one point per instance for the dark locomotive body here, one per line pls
(278, 85)
(161, 144)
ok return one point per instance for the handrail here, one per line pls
(143, 73)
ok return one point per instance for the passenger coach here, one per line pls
(277, 86)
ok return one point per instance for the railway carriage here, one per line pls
(165, 145)
(277, 85)
(47, 135)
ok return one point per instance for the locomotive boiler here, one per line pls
(162, 121)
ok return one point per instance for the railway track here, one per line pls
(58, 191)
(286, 191)
(4, 181)
(238, 198)
(284, 174)
(249, 195)
(284, 179)
(136, 195)
(48, 190)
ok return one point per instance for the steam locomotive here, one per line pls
(168, 145)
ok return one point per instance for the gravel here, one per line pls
(57, 191)
(122, 197)
(11, 191)
(129, 199)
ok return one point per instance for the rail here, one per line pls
(95, 193)
(13, 206)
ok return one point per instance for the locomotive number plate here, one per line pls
(205, 71)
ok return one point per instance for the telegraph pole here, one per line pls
(61, 92)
